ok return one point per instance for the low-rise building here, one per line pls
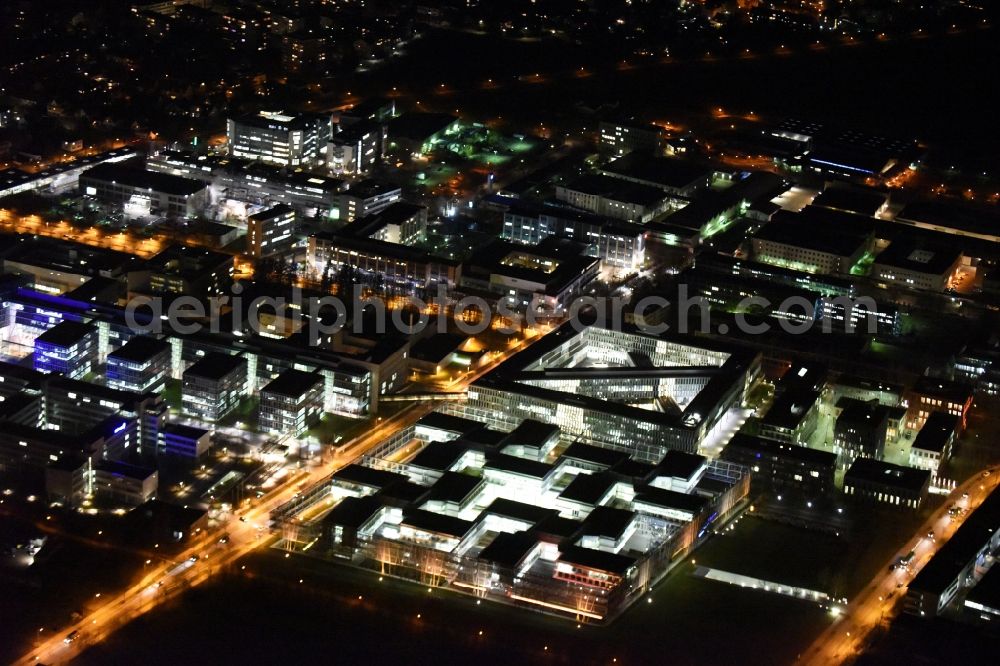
(884, 483)
(860, 431)
(184, 441)
(917, 265)
(69, 348)
(930, 394)
(933, 445)
(271, 231)
(778, 467)
(613, 197)
(213, 386)
(143, 193)
(291, 403)
(141, 365)
(959, 563)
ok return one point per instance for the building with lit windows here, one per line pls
(916, 265)
(809, 248)
(793, 413)
(625, 390)
(782, 468)
(877, 482)
(141, 365)
(68, 348)
(502, 525)
(180, 269)
(184, 441)
(930, 395)
(143, 193)
(367, 197)
(676, 177)
(627, 135)
(355, 147)
(543, 277)
(933, 445)
(614, 197)
(291, 403)
(618, 244)
(959, 563)
(285, 139)
(860, 431)
(214, 386)
(271, 231)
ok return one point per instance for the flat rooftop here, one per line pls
(867, 470)
(139, 178)
(66, 333)
(215, 365)
(617, 189)
(919, 257)
(660, 171)
(139, 349)
(293, 383)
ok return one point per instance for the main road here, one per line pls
(216, 550)
(845, 638)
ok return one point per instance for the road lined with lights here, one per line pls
(220, 547)
(845, 638)
(215, 551)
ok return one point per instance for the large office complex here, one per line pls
(622, 389)
(516, 516)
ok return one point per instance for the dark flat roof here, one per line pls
(617, 189)
(450, 423)
(918, 256)
(215, 365)
(455, 487)
(811, 237)
(557, 526)
(354, 511)
(438, 455)
(775, 449)
(152, 180)
(876, 471)
(436, 347)
(140, 348)
(529, 513)
(416, 125)
(436, 522)
(66, 333)
(680, 464)
(368, 476)
(960, 549)
(182, 430)
(508, 550)
(588, 488)
(531, 433)
(671, 499)
(939, 428)
(607, 521)
(515, 465)
(293, 383)
(596, 559)
(943, 388)
(858, 200)
(665, 171)
(596, 455)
